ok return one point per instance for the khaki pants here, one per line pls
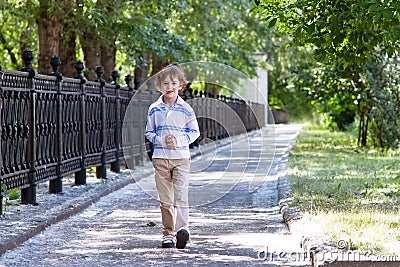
(172, 183)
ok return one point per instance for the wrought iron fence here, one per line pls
(54, 126)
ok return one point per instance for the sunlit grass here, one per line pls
(353, 192)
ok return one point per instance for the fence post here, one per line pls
(127, 145)
(80, 176)
(115, 166)
(28, 195)
(101, 171)
(213, 116)
(55, 185)
(1, 153)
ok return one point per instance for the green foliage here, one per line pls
(18, 31)
(381, 76)
(14, 194)
(192, 30)
(342, 114)
(171, 31)
(342, 31)
(340, 40)
(9, 195)
(289, 69)
(151, 224)
(4, 189)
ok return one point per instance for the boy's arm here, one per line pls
(192, 131)
(150, 131)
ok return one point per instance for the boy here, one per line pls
(171, 127)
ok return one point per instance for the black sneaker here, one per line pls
(182, 238)
(168, 241)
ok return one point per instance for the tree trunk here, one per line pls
(91, 51)
(67, 48)
(362, 108)
(108, 49)
(363, 126)
(142, 67)
(98, 45)
(157, 64)
(107, 60)
(365, 133)
(49, 35)
(68, 55)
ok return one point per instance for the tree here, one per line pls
(18, 31)
(343, 37)
(49, 34)
(193, 30)
(131, 35)
(381, 77)
(291, 66)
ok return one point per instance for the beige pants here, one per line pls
(172, 182)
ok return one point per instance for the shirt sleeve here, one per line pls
(191, 130)
(150, 131)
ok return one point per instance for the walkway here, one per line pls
(235, 217)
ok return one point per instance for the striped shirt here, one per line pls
(179, 121)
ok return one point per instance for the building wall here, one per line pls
(258, 93)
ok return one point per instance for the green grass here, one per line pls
(353, 193)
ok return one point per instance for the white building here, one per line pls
(259, 92)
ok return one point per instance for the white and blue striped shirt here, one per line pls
(179, 121)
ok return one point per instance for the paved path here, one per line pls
(235, 218)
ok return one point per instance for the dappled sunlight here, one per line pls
(259, 241)
(135, 215)
(232, 225)
(375, 232)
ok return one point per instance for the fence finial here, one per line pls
(114, 77)
(55, 63)
(100, 71)
(128, 79)
(79, 71)
(27, 57)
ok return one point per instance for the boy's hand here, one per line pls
(170, 141)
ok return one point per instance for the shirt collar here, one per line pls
(179, 101)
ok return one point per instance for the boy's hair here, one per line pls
(171, 71)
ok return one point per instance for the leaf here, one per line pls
(396, 30)
(151, 224)
(387, 14)
(372, 8)
(272, 22)
(377, 17)
(339, 186)
(4, 188)
(14, 194)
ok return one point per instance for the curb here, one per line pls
(289, 213)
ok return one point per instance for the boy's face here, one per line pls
(170, 87)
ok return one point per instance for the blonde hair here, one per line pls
(171, 71)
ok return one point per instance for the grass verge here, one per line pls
(352, 193)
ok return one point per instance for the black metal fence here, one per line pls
(53, 126)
